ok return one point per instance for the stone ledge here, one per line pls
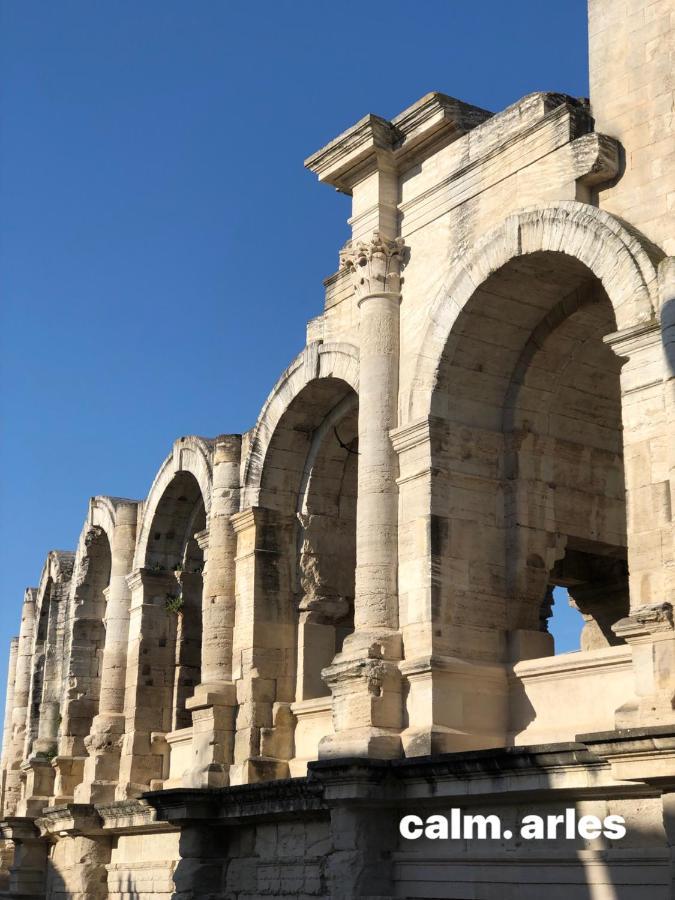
(561, 768)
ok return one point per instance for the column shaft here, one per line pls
(218, 591)
(364, 678)
(9, 706)
(376, 512)
(113, 677)
(22, 680)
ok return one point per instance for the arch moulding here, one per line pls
(189, 454)
(622, 261)
(316, 361)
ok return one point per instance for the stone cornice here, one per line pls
(202, 538)
(70, 819)
(143, 577)
(411, 435)
(123, 816)
(433, 116)
(245, 519)
(19, 828)
(596, 158)
(353, 154)
(645, 623)
(437, 118)
(229, 805)
(632, 340)
(344, 160)
(546, 124)
(453, 775)
(645, 755)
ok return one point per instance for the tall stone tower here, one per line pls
(632, 77)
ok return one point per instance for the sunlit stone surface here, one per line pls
(354, 594)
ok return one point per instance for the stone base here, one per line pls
(95, 792)
(213, 709)
(335, 833)
(29, 868)
(367, 691)
(370, 743)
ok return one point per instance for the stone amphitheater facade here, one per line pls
(236, 686)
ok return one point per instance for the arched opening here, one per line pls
(309, 480)
(175, 545)
(529, 491)
(38, 673)
(47, 676)
(85, 636)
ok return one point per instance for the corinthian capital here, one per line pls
(375, 265)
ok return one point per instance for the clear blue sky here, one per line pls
(161, 245)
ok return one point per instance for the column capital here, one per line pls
(629, 341)
(375, 265)
(148, 577)
(202, 538)
(646, 623)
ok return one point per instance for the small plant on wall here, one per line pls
(174, 604)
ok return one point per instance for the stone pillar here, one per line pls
(101, 768)
(149, 682)
(218, 592)
(648, 412)
(38, 773)
(651, 634)
(27, 875)
(364, 678)
(375, 268)
(264, 651)
(80, 850)
(214, 702)
(85, 639)
(17, 736)
(649, 459)
(9, 706)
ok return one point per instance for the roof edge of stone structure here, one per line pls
(434, 118)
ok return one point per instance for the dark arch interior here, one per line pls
(173, 547)
(309, 480)
(530, 490)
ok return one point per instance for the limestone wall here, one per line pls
(483, 411)
(632, 60)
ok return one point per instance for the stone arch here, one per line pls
(48, 640)
(174, 522)
(190, 454)
(83, 644)
(617, 255)
(318, 360)
(101, 514)
(58, 568)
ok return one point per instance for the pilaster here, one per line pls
(649, 460)
(149, 686)
(264, 645)
(650, 631)
(213, 705)
(27, 875)
(22, 680)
